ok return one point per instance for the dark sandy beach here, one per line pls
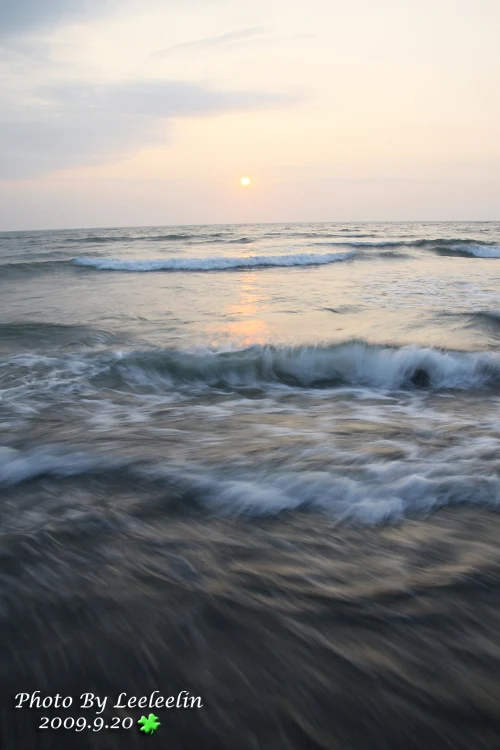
(296, 633)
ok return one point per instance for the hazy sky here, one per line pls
(138, 112)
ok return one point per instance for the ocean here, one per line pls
(257, 463)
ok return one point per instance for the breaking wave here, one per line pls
(351, 364)
(340, 251)
(213, 264)
(479, 251)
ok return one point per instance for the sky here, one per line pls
(148, 112)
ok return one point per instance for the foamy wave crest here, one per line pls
(213, 264)
(21, 466)
(381, 493)
(440, 246)
(370, 500)
(172, 372)
(479, 251)
(440, 242)
(353, 364)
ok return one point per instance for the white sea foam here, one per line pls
(381, 492)
(454, 243)
(480, 251)
(214, 264)
(20, 466)
(352, 364)
(164, 371)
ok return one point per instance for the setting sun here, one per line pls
(245, 181)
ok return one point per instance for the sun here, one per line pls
(245, 181)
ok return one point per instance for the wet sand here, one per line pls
(297, 633)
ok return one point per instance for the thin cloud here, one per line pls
(221, 40)
(20, 16)
(84, 125)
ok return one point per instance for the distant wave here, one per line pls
(478, 250)
(96, 240)
(485, 318)
(319, 235)
(40, 266)
(104, 239)
(391, 254)
(226, 241)
(39, 334)
(440, 242)
(213, 264)
(466, 247)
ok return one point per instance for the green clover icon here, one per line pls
(149, 724)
